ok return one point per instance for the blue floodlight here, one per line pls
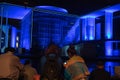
(108, 25)
(13, 37)
(88, 28)
(108, 48)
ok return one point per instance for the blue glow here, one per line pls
(13, 37)
(94, 14)
(116, 52)
(88, 29)
(86, 37)
(90, 16)
(111, 11)
(6, 31)
(53, 8)
(91, 38)
(108, 25)
(91, 32)
(44, 42)
(77, 36)
(98, 31)
(84, 24)
(112, 8)
(70, 37)
(108, 48)
(109, 67)
(100, 12)
(108, 35)
(58, 29)
(58, 34)
(4, 41)
(19, 11)
(23, 61)
(25, 37)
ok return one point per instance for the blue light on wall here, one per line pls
(88, 28)
(13, 37)
(49, 27)
(116, 48)
(25, 38)
(84, 24)
(57, 32)
(4, 37)
(109, 67)
(108, 48)
(71, 36)
(14, 11)
(77, 36)
(91, 29)
(116, 52)
(98, 31)
(23, 61)
(108, 25)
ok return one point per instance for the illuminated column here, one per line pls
(108, 25)
(91, 28)
(1, 23)
(108, 48)
(84, 24)
(6, 31)
(98, 31)
(13, 37)
(78, 31)
(25, 36)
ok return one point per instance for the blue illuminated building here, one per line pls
(100, 25)
(96, 34)
(41, 25)
(53, 25)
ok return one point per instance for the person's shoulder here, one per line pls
(6, 55)
(2, 54)
(31, 68)
(15, 57)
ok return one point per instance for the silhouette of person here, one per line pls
(29, 71)
(51, 58)
(75, 66)
(116, 75)
(10, 65)
(100, 73)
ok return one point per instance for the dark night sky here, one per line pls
(77, 7)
